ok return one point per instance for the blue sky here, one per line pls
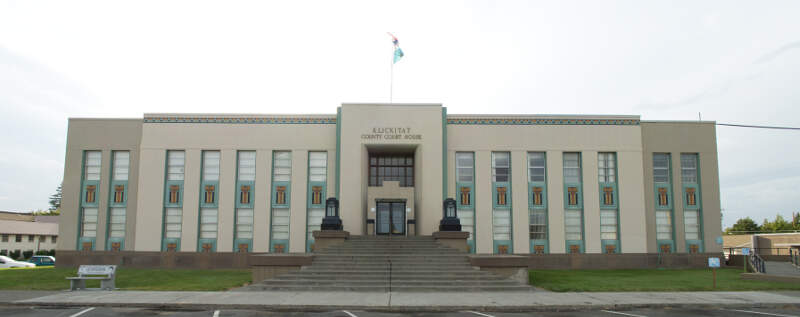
(733, 61)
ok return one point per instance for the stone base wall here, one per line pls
(599, 261)
(165, 260)
(235, 260)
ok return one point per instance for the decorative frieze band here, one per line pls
(242, 120)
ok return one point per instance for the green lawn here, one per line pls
(128, 279)
(649, 280)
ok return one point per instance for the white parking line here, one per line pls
(761, 313)
(82, 312)
(349, 313)
(216, 313)
(619, 313)
(479, 314)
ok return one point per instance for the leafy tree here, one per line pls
(778, 225)
(47, 212)
(744, 225)
(55, 199)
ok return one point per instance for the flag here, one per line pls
(398, 53)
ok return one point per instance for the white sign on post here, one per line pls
(713, 262)
(745, 251)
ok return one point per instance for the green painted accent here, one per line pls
(668, 186)
(471, 244)
(471, 186)
(275, 242)
(444, 153)
(111, 190)
(697, 207)
(310, 197)
(110, 240)
(81, 240)
(288, 200)
(545, 242)
(579, 243)
(237, 242)
(604, 243)
(543, 185)
(671, 243)
(213, 243)
(506, 121)
(696, 194)
(166, 241)
(338, 147)
(239, 185)
(699, 243)
(203, 185)
(84, 183)
(614, 193)
(167, 184)
(497, 243)
(507, 185)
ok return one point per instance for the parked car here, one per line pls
(43, 260)
(6, 262)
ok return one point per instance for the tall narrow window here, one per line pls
(89, 223)
(663, 201)
(537, 208)
(121, 165)
(173, 223)
(607, 167)
(92, 166)
(538, 226)
(500, 166)
(573, 214)
(607, 182)
(209, 212)
(691, 213)
(173, 210)
(92, 161)
(175, 165)
(501, 213)
(465, 184)
(317, 183)
(536, 168)
(245, 182)
(281, 183)
(119, 181)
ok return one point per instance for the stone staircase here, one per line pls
(382, 264)
(781, 268)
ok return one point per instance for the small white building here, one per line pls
(21, 235)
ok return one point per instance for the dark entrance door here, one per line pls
(391, 217)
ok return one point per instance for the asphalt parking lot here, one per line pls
(114, 311)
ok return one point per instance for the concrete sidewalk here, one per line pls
(405, 302)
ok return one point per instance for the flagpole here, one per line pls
(391, 76)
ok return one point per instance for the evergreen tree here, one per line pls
(55, 199)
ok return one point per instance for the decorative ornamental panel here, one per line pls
(466, 198)
(691, 199)
(501, 196)
(316, 195)
(245, 195)
(572, 193)
(209, 194)
(119, 193)
(608, 196)
(537, 196)
(280, 195)
(663, 199)
(90, 193)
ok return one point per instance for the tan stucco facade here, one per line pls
(425, 132)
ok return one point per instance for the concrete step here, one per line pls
(395, 277)
(382, 282)
(420, 272)
(379, 259)
(260, 287)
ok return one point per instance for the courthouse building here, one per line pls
(524, 184)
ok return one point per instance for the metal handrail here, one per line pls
(757, 263)
(794, 256)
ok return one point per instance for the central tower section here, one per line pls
(391, 168)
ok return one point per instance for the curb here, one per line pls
(400, 309)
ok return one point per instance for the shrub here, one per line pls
(4, 252)
(27, 254)
(14, 254)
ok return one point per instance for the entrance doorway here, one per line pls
(391, 217)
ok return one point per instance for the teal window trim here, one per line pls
(531, 196)
(471, 188)
(165, 241)
(203, 204)
(83, 204)
(614, 197)
(215, 203)
(615, 243)
(274, 205)
(698, 207)
(444, 153)
(579, 243)
(338, 147)
(495, 200)
(579, 205)
(667, 186)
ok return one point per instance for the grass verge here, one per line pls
(667, 280)
(128, 279)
